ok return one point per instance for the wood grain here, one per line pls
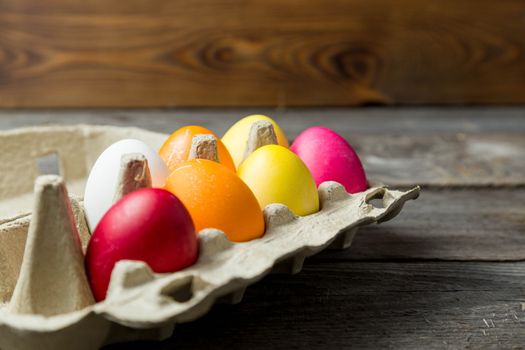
(399, 147)
(443, 160)
(228, 53)
(446, 224)
(368, 306)
(349, 122)
(394, 288)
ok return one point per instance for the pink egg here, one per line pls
(329, 157)
(150, 225)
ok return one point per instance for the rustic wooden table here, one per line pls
(447, 273)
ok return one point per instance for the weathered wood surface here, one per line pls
(447, 224)
(266, 52)
(410, 305)
(437, 160)
(347, 121)
(396, 286)
(460, 147)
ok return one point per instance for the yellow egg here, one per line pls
(236, 137)
(276, 175)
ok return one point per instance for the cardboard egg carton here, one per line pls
(45, 300)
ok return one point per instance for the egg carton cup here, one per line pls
(140, 304)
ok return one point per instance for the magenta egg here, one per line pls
(329, 157)
(150, 225)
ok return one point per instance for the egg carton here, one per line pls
(140, 305)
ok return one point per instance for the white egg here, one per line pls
(102, 181)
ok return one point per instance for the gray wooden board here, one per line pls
(399, 147)
(403, 121)
(391, 288)
(447, 224)
(443, 160)
(418, 305)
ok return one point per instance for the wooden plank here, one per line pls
(103, 53)
(460, 147)
(432, 305)
(360, 297)
(445, 224)
(452, 160)
(347, 121)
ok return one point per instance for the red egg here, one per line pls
(150, 225)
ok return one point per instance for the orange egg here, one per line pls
(217, 198)
(176, 148)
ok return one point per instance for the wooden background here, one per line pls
(447, 273)
(216, 53)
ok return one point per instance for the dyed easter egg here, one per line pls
(176, 148)
(236, 138)
(217, 198)
(330, 158)
(102, 183)
(150, 225)
(276, 175)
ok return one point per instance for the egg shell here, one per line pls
(150, 225)
(176, 148)
(217, 198)
(330, 158)
(236, 138)
(101, 185)
(276, 175)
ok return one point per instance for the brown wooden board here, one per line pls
(420, 305)
(109, 53)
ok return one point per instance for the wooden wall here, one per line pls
(160, 53)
